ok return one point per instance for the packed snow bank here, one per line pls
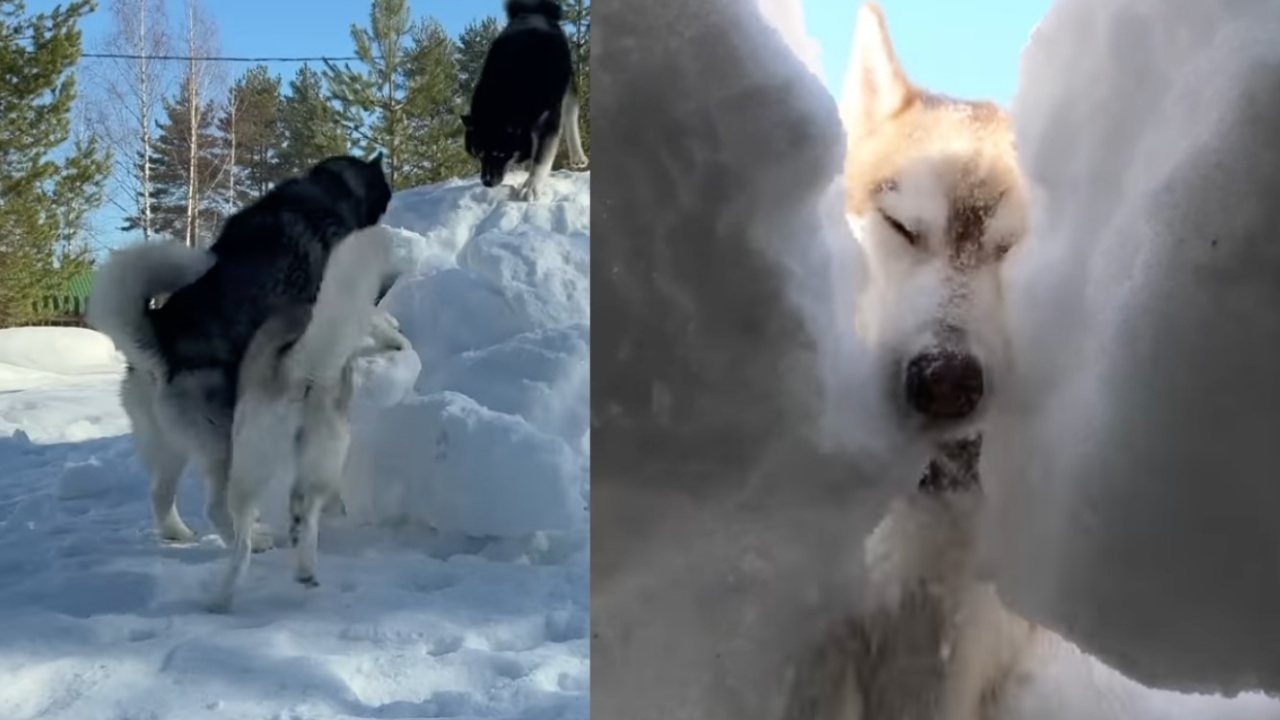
(61, 350)
(1134, 475)
(487, 435)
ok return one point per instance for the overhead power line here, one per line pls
(211, 58)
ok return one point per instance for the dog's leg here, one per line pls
(217, 473)
(165, 463)
(163, 459)
(544, 155)
(304, 531)
(573, 133)
(241, 492)
(322, 452)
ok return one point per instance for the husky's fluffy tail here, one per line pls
(124, 287)
(358, 272)
(549, 9)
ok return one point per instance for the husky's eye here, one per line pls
(912, 238)
(1002, 249)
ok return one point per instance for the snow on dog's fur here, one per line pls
(935, 200)
(937, 203)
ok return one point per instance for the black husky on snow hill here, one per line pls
(524, 98)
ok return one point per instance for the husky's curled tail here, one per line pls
(549, 9)
(126, 284)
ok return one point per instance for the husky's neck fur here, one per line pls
(954, 468)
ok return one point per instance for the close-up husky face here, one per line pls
(935, 200)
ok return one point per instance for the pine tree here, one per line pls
(311, 129)
(372, 100)
(473, 45)
(48, 183)
(170, 163)
(250, 134)
(433, 150)
(576, 19)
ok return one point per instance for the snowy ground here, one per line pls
(457, 586)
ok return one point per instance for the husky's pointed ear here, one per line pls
(377, 159)
(875, 87)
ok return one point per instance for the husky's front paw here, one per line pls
(388, 318)
(577, 161)
(530, 191)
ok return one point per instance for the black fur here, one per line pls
(522, 85)
(269, 254)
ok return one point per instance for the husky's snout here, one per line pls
(944, 384)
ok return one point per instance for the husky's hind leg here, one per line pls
(240, 503)
(304, 530)
(572, 131)
(163, 458)
(321, 452)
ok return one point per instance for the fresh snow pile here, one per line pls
(77, 375)
(456, 587)
(492, 439)
(32, 354)
(1135, 473)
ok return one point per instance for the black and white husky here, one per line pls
(525, 98)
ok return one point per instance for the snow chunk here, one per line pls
(1133, 472)
(490, 438)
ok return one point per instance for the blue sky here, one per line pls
(966, 48)
(269, 28)
(288, 28)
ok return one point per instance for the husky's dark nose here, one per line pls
(487, 180)
(944, 385)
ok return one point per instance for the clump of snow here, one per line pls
(1133, 475)
(63, 350)
(99, 621)
(44, 375)
(490, 439)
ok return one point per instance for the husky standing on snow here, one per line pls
(525, 97)
(184, 358)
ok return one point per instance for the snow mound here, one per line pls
(61, 350)
(482, 429)
(1133, 474)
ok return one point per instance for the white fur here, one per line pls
(128, 280)
(927, 636)
(291, 415)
